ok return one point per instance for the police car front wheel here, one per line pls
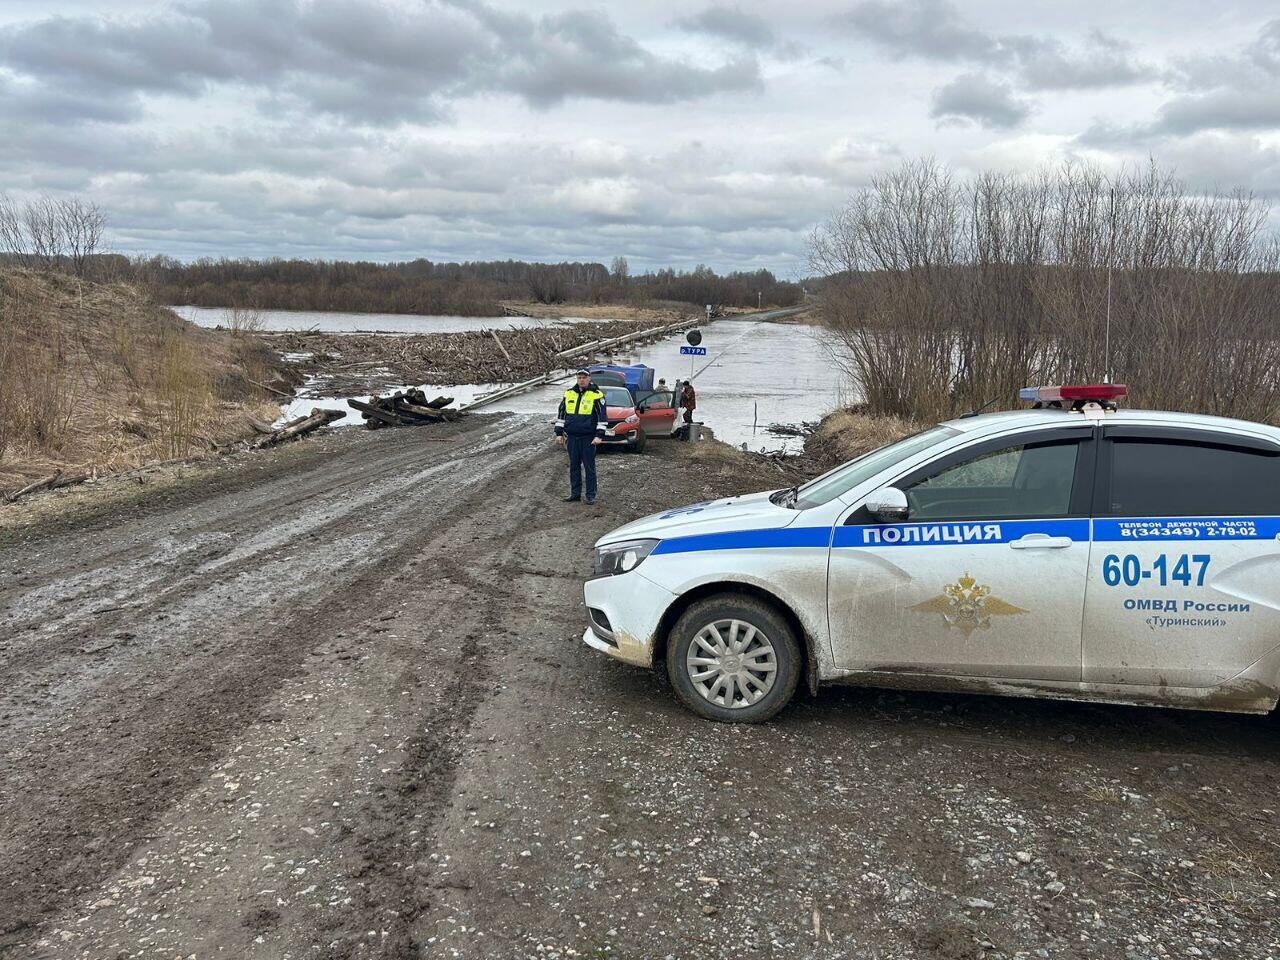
(733, 658)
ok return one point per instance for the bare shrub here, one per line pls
(185, 393)
(949, 295)
(9, 361)
(36, 385)
(244, 320)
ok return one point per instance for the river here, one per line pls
(332, 321)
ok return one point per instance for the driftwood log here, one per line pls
(259, 425)
(56, 481)
(404, 408)
(296, 428)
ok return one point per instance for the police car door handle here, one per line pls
(1041, 541)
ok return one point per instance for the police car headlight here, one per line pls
(615, 558)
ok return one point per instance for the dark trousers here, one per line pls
(582, 459)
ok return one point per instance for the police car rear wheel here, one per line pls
(734, 659)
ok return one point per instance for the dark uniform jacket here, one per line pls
(582, 412)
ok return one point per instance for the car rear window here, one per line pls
(1172, 478)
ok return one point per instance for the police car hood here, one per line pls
(753, 511)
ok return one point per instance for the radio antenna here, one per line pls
(1111, 255)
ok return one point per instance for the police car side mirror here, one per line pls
(888, 504)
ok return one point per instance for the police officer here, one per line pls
(580, 423)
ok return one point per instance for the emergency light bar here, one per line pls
(1096, 392)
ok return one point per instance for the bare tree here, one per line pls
(51, 233)
(45, 231)
(620, 271)
(949, 295)
(82, 226)
(13, 236)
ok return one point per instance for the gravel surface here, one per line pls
(332, 702)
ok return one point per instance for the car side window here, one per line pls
(657, 401)
(1026, 480)
(1166, 477)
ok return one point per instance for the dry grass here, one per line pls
(846, 434)
(95, 377)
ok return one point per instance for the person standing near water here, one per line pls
(688, 400)
(580, 425)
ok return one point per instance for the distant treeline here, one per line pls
(422, 286)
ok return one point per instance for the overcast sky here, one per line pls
(670, 133)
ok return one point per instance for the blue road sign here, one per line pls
(693, 351)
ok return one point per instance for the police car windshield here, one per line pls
(842, 479)
(617, 397)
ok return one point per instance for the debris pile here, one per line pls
(405, 408)
(360, 362)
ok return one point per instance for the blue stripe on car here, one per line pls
(1218, 529)
(748, 540)
(961, 533)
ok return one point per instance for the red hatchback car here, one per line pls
(630, 423)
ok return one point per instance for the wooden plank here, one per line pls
(426, 413)
(375, 412)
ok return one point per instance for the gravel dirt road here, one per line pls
(331, 702)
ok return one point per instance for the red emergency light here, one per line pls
(1083, 393)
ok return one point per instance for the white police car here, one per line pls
(1071, 551)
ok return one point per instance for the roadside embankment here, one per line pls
(97, 378)
(845, 434)
(842, 435)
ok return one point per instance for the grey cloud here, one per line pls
(935, 30)
(1228, 109)
(730, 23)
(974, 98)
(1210, 160)
(1225, 92)
(1047, 64)
(560, 56)
(932, 29)
(361, 60)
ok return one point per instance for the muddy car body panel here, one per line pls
(1129, 557)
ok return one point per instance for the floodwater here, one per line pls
(755, 374)
(331, 321)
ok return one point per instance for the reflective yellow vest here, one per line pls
(581, 404)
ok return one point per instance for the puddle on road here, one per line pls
(754, 374)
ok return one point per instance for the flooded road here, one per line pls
(755, 373)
